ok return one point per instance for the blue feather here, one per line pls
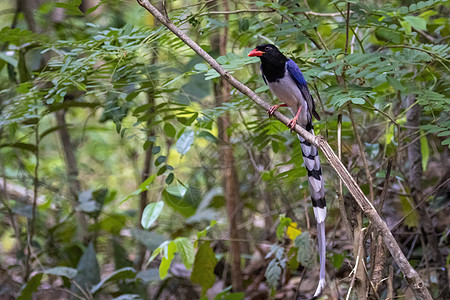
(297, 76)
(295, 72)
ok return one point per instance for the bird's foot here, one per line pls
(292, 123)
(272, 110)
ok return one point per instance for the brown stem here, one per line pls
(146, 171)
(347, 23)
(362, 153)
(412, 277)
(71, 168)
(230, 181)
(390, 284)
(378, 255)
(32, 221)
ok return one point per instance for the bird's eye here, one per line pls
(268, 48)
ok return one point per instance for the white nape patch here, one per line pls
(320, 214)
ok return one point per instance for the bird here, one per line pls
(286, 82)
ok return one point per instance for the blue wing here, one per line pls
(297, 75)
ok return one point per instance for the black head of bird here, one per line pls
(269, 53)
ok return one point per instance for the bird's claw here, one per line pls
(272, 110)
(292, 124)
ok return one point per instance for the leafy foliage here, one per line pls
(128, 89)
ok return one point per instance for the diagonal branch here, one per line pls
(412, 277)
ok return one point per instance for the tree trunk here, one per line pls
(71, 170)
(415, 183)
(230, 181)
(146, 171)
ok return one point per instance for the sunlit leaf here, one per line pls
(185, 142)
(185, 248)
(151, 213)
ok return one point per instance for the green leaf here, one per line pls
(202, 234)
(71, 8)
(170, 130)
(167, 253)
(337, 260)
(395, 83)
(124, 273)
(207, 136)
(161, 159)
(88, 271)
(170, 178)
(186, 250)
(227, 295)
(425, 150)
(191, 119)
(119, 253)
(407, 26)
(24, 73)
(203, 271)
(358, 100)
(9, 59)
(150, 240)
(416, 22)
(149, 275)
(201, 67)
(273, 273)
(412, 217)
(185, 142)
(284, 222)
(144, 186)
(92, 9)
(151, 213)
(22, 146)
(62, 271)
(30, 287)
(305, 252)
(182, 199)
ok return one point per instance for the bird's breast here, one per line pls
(287, 91)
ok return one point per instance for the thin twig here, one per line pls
(362, 153)
(32, 222)
(347, 20)
(344, 217)
(375, 293)
(232, 12)
(358, 258)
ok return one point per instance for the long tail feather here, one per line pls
(317, 190)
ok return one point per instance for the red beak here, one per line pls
(255, 52)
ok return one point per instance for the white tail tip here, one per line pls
(320, 287)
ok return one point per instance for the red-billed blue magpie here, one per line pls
(286, 81)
